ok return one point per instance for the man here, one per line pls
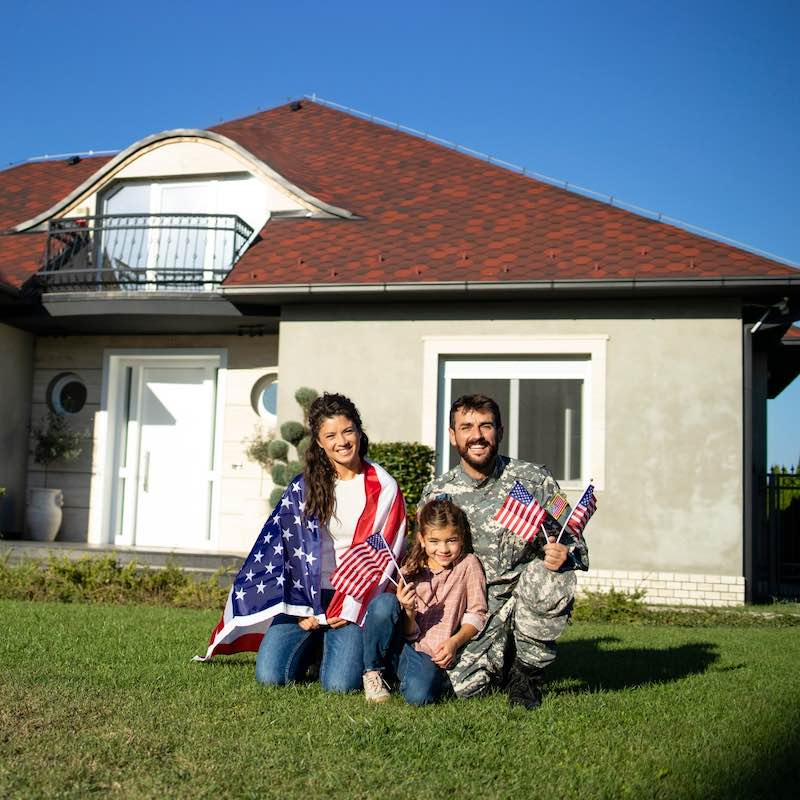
(530, 584)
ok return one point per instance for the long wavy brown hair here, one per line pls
(439, 513)
(319, 472)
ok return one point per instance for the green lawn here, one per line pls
(103, 700)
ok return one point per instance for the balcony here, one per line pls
(142, 252)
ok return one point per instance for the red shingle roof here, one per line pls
(434, 214)
(429, 214)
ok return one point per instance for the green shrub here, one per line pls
(303, 445)
(278, 450)
(276, 494)
(293, 468)
(106, 580)
(279, 474)
(293, 432)
(305, 397)
(410, 464)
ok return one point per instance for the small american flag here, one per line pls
(521, 513)
(361, 566)
(583, 511)
(557, 505)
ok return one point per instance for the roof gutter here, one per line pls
(531, 287)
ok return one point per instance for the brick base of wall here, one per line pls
(667, 588)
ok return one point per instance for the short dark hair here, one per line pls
(475, 402)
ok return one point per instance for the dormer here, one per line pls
(174, 211)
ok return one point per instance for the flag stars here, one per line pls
(287, 534)
(240, 594)
(281, 580)
(278, 548)
(249, 575)
(310, 559)
(298, 521)
(260, 586)
(296, 487)
(285, 502)
(269, 568)
(298, 553)
(258, 556)
(297, 585)
(313, 592)
(267, 538)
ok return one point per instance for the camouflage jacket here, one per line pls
(503, 553)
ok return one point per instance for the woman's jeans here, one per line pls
(421, 681)
(287, 650)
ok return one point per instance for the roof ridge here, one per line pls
(592, 194)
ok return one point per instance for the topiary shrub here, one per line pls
(297, 435)
(410, 464)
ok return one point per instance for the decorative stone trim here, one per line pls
(667, 588)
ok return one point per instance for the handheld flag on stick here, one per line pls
(521, 513)
(361, 566)
(581, 514)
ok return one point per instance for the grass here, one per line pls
(102, 700)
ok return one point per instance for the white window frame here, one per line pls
(435, 385)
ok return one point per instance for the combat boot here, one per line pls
(525, 685)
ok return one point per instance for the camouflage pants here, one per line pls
(531, 620)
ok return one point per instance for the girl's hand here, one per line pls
(309, 623)
(407, 597)
(445, 654)
(337, 622)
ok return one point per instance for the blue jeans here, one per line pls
(421, 681)
(287, 650)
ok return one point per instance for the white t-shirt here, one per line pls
(337, 536)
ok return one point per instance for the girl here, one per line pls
(440, 606)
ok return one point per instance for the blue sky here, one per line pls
(688, 108)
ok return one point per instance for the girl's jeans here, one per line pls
(421, 681)
(287, 650)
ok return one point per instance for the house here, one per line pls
(171, 298)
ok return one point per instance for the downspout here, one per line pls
(747, 462)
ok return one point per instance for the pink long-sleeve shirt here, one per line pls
(446, 600)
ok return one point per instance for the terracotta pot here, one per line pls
(43, 514)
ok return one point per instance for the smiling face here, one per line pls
(340, 439)
(442, 545)
(476, 436)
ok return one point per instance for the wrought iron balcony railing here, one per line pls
(142, 252)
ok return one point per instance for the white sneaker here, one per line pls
(376, 689)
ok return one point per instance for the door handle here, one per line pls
(146, 486)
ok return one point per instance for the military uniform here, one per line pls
(529, 605)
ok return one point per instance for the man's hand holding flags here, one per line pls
(522, 514)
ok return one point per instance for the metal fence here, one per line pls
(142, 252)
(780, 547)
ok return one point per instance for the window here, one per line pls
(541, 403)
(264, 398)
(66, 394)
(173, 227)
(551, 393)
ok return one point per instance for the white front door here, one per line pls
(166, 459)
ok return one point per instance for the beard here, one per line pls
(479, 463)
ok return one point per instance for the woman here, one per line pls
(327, 514)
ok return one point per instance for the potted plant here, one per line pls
(54, 442)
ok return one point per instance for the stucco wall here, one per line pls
(244, 489)
(16, 371)
(672, 499)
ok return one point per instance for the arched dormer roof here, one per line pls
(116, 166)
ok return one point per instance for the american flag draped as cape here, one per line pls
(282, 573)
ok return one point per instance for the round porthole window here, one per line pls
(66, 394)
(264, 398)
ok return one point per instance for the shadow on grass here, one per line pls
(590, 665)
